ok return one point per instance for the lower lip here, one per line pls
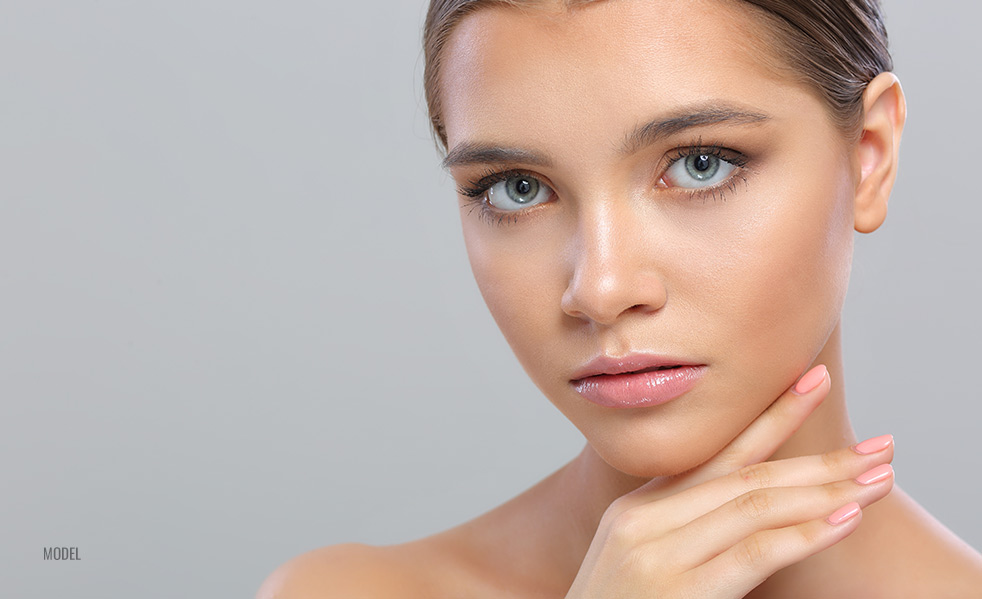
(639, 390)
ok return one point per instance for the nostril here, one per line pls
(642, 308)
(602, 293)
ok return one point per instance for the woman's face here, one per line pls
(691, 202)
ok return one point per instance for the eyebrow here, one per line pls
(477, 153)
(642, 136)
(713, 114)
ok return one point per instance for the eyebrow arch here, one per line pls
(648, 134)
(477, 153)
(644, 135)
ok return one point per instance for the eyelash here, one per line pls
(476, 190)
(737, 159)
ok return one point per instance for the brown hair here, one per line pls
(835, 46)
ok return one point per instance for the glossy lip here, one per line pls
(604, 364)
(633, 381)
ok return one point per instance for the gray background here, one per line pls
(238, 320)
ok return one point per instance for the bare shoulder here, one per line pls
(940, 564)
(351, 570)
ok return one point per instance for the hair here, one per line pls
(835, 47)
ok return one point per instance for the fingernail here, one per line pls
(812, 379)
(843, 513)
(874, 445)
(881, 472)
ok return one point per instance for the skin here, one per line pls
(618, 258)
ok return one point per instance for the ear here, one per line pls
(885, 112)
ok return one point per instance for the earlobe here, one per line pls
(885, 112)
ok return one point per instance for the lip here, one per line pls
(631, 382)
(630, 363)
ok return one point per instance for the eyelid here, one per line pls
(737, 159)
(479, 187)
(730, 155)
(477, 190)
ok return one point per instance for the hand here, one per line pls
(721, 529)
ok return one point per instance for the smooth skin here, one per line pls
(618, 255)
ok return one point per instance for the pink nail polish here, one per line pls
(843, 513)
(874, 445)
(881, 472)
(811, 379)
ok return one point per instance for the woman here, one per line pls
(658, 200)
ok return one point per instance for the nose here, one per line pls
(613, 269)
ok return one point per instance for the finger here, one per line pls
(802, 471)
(779, 421)
(660, 514)
(759, 440)
(767, 509)
(751, 561)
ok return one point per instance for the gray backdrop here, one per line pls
(239, 323)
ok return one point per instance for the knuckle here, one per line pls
(807, 536)
(614, 511)
(637, 561)
(626, 528)
(832, 461)
(751, 553)
(623, 504)
(756, 476)
(754, 504)
(834, 493)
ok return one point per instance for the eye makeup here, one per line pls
(701, 163)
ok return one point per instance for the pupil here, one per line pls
(702, 167)
(522, 190)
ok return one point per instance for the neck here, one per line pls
(587, 485)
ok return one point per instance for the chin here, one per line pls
(643, 457)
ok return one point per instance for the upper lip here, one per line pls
(604, 364)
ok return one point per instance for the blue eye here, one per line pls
(699, 169)
(516, 192)
(501, 196)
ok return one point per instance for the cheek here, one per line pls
(522, 283)
(776, 292)
(514, 282)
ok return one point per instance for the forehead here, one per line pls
(588, 74)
